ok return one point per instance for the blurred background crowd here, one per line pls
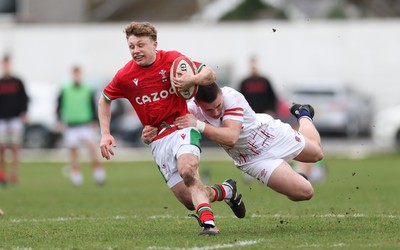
(341, 56)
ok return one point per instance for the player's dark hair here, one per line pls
(207, 93)
(140, 29)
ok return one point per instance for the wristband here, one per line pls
(200, 126)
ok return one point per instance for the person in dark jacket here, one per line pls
(13, 108)
(259, 92)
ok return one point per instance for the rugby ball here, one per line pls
(183, 64)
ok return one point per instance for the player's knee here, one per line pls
(317, 154)
(308, 193)
(303, 194)
(320, 152)
(188, 176)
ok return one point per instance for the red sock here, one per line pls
(219, 193)
(2, 175)
(205, 213)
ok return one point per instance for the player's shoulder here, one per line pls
(232, 96)
(191, 105)
(127, 66)
(126, 69)
(229, 91)
(170, 54)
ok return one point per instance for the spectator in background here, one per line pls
(13, 108)
(76, 112)
(259, 92)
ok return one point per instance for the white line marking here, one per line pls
(123, 217)
(219, 246)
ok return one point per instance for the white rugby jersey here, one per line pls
(256, 134)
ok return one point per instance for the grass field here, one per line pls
(358, 207)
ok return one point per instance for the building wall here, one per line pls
(365, 54)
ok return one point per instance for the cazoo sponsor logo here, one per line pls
(155, 96)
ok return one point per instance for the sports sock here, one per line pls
(205, 214)
(304, 113)
(2, 175)
(220, 192)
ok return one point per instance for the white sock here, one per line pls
(228, 192)
(76, 178)
(209, 222)
(99, 175)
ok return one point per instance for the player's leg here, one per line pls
(2, 164)
(312, 151)
(286, 181)
(178, 161)
(3, 147)
(72, 140)
(232, 197)
(279, 176)
(75, 168)
(99, 173)
(188, 168)
(16, 133)
(183, 195)
(304, 167)
(226, 191)
(15, 150)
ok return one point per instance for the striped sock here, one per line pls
(205, 214)
(219, 193)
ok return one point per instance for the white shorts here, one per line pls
(286, 145)
(11, 131)
(166, 151)
(76, 135)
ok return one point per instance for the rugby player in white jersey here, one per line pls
(259, 145)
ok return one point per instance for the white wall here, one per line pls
(366, 53)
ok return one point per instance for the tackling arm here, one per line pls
(227, 134)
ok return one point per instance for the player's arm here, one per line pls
(104, 111)
(148, 134)
(205, 76)
(227, 135)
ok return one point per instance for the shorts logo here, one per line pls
(262, 176)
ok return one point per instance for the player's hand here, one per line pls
(148, 134)
(184, 81)
(186, 121)
(105, 145)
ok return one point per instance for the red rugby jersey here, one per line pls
(149, 90)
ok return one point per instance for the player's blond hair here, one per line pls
(139, 29)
